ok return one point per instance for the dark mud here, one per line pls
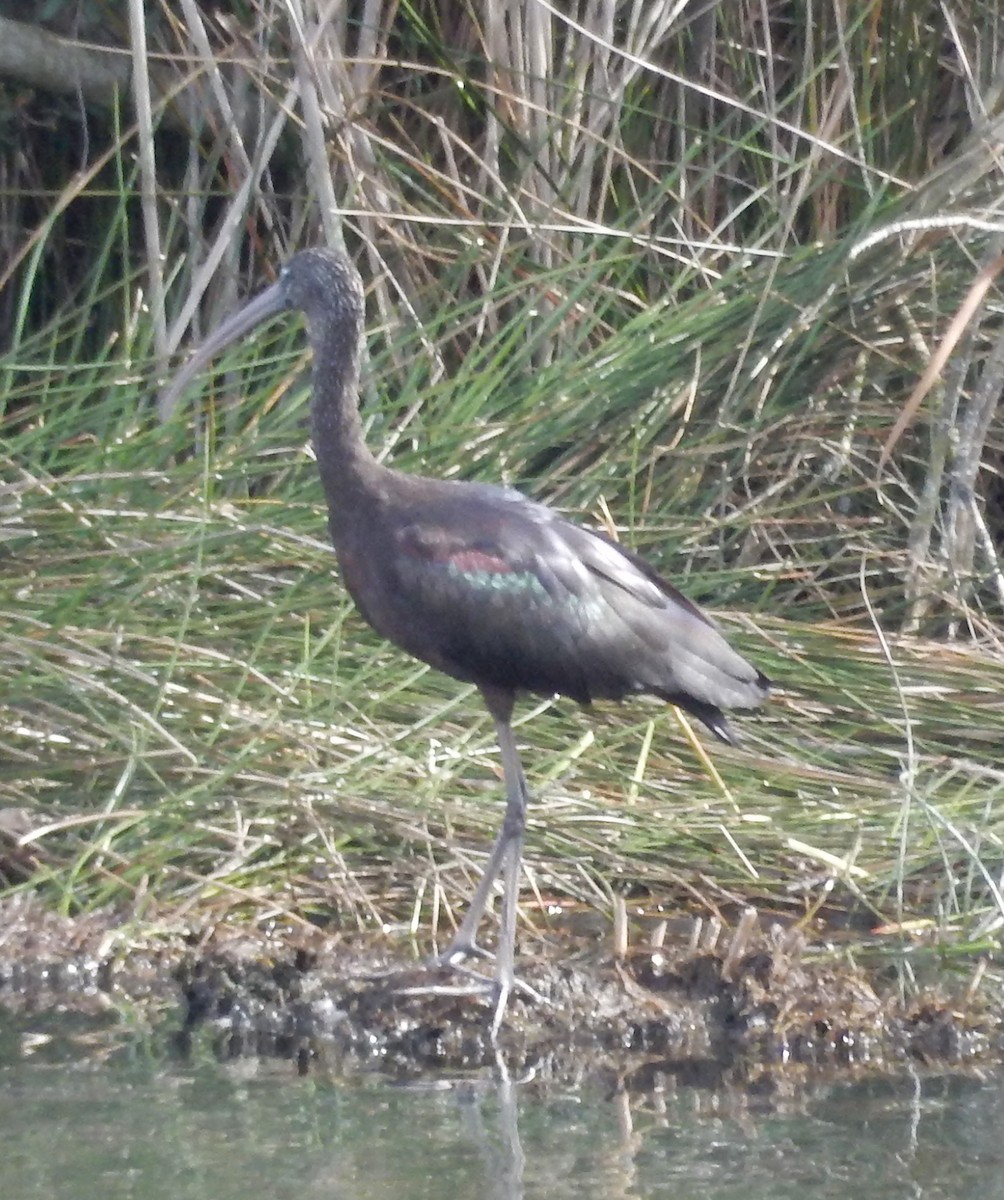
(760, 1009)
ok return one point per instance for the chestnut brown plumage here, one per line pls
(484, 584)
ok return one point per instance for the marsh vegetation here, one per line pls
(721, 280)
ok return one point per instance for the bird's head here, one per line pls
(323, 284)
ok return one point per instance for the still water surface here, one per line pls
(87, 1111)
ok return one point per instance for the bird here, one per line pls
(483, 583)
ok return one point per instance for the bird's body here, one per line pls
(490, 587)
(483, 583)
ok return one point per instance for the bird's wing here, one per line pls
(614, 565)
(489, 595)
(506, 591)
(488, 546)
(666, 643)
(501, 531)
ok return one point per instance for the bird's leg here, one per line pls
(505, 858)
(511, 835)
(464, 944)
(507, 851)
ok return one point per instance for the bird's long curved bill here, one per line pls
(270, 302)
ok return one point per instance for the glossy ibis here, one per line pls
(483, 583)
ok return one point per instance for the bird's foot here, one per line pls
(477, 986)
(496, 990)
(450, 958)
(459, 949)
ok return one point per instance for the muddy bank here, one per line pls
(761, 1008)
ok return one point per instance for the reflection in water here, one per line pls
(89, 1113)
(503, 1154)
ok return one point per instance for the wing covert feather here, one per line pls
(515, 595)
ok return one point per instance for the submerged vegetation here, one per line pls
(722, 281)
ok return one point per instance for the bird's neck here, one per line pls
(347, 467)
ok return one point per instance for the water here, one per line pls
(90, 1111)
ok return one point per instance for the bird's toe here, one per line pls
(457, 951)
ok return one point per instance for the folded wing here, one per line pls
(516, 596)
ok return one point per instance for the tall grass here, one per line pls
(678, 271)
